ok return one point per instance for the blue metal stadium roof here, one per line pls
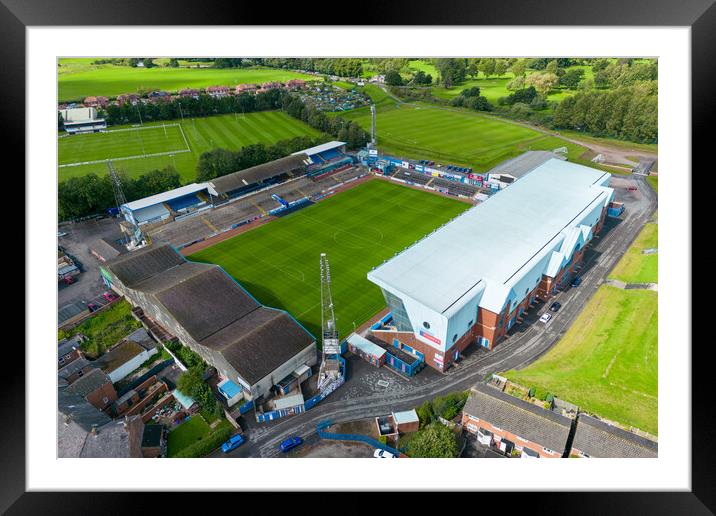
(491, 246)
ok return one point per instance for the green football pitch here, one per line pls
(137, 150)
(358, 229)
(455, 136)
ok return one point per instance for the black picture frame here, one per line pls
(700, 15)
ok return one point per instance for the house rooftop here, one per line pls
(519, 417)
(599, 439)
(89, 383)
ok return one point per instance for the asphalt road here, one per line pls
(527, 341)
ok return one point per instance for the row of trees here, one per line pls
(342, 66)
(93, 194)
(219, 162)
(628, 112)
(190, 107)
(344, 130)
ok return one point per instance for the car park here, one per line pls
(233, 443)
(290, 443)
(545, 317)
(382, 454)
(555, 306)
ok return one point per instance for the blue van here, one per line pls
(290, 443)
(233, 443)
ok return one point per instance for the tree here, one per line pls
(191, 381)
(393, 78)
(434, 441)
(519, 67)
(551, 67)
(542, 82)
(500, 67)
(173, 63)
(60, 122)
(487, 66)
(572, 78)
(148, 62)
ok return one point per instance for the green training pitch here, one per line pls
(358, 229)
(112, 80)
(456, 136)
(607, 361)
(155, 145)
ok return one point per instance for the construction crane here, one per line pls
(329, 371)
(120, 199)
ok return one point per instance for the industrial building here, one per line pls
(250, 345)
(473, 278)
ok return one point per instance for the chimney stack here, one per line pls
(94, 430)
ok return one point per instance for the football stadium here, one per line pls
(433, 257)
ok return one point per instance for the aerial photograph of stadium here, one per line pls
(357, 257)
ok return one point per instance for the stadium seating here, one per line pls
(181, 203)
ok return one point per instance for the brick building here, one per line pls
(472, 279)
(505, 422)
(95, 387)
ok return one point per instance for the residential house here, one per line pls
(246, 88)
(509, 423)
(597, 439)
(218, 91)
(127, 355)
(75, 370)
(68, 350)
(95, 387)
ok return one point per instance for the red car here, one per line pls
(632, 188)
(110, 296)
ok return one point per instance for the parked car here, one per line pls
(233, 443)
(555, 306)
(290, 443)
(632, 188)
(110, 296)
(92, 307)
(545, 317)
(382, 454)
(61, 234)
(576, 281)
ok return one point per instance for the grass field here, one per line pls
(79, 79)
(635, 267)
(448, 135)
(174, 143)
(654, 182)
(607, 361)
(187, 434)
(358, 229)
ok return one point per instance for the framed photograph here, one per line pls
(433, 234)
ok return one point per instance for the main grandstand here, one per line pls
(472, 279)
(195, 212)
(251, 346)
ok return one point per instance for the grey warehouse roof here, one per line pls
(519, 417)
(599, 439)
(491, 245)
